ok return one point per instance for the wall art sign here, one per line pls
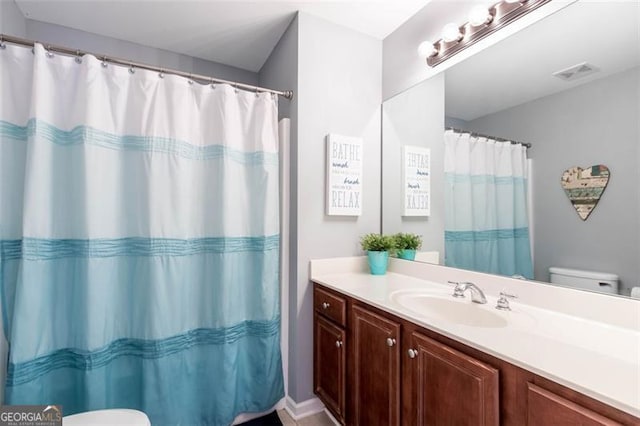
(344, 176)
(416, 180)
(584, 187)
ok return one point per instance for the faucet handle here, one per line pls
(503, 302)
(458, 291)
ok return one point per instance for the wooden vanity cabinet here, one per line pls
(546, 402)
(374, 383)
(389, 371)
(330, 351)
(449, 387)
(545, 407)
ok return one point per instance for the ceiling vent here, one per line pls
(576, 71)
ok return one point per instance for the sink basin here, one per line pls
(446, 308)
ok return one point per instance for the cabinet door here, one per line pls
(375, 342)
(545, 408)
(449, 387)
(329, 365)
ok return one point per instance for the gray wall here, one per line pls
(339, 91)
(280, 71)
(414, 117)
(69, 37)
(12, 22)
(456, 123)
(595, 123)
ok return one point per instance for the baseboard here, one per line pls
(298, 410)
(333, 419)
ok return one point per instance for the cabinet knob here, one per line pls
(325, 305)
(338, 343)
(390, 341)
(412, 353)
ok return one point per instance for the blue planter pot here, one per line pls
(378, 261)
(407, 254)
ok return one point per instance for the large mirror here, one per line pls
(587, 114)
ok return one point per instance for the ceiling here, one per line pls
(236, 33)
(519, 69)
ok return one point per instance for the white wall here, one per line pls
(12, 22)
(339, 91)
(595, 123)
(414, 117)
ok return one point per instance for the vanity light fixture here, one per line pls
(451, 33)
(483, 21)
(480, 15)
(426, 49)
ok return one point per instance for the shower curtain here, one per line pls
(486, 222)
(139, 246)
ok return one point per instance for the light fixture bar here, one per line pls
(502, 13)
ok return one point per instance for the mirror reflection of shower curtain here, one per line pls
(139, 241)
(486, 208)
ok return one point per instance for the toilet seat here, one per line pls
(114, 417)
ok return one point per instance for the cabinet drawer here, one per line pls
(330, 305)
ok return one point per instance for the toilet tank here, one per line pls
(588, 280)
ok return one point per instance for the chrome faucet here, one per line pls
(477, 295)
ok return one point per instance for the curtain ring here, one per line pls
(161, 74)
(211, 82)
(190, 81)
(104, 62)
(257, 93)
(49, 54)
(235, 87)
(131, 70)
(78, 57)
(2, 44)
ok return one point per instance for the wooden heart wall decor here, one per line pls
(584, 187)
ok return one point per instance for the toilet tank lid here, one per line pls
(578, 273)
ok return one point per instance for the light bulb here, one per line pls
(427, 49)
(479, 15)
(451, 32)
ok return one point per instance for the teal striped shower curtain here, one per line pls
(139, 241)
(486, 212)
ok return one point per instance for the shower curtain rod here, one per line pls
(526, 145)
(288, 94)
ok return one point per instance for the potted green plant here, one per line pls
(407, 244)
(377, 247)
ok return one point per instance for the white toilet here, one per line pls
(115, 417)
(587, 280)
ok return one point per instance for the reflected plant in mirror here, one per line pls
(560, 87)
(407, 244)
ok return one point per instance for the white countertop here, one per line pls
(592, 357)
